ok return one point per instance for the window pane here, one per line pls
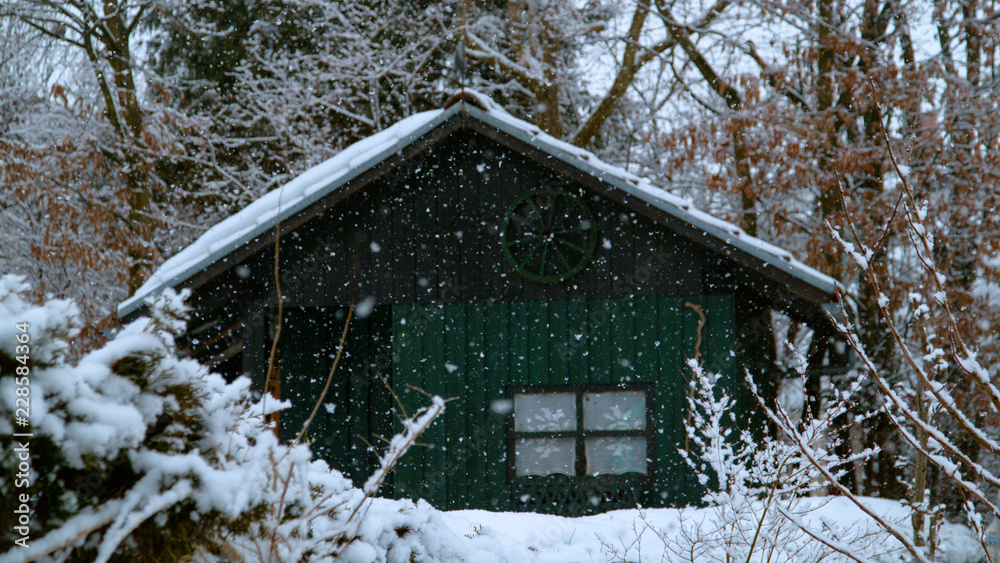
(545, 412)
(626, 454)
(615, 410)
(545, 456)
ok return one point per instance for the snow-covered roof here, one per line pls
(261, 215)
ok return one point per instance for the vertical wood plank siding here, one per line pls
(639, 340)
(451, 317)
(357, 406)
(433, 236)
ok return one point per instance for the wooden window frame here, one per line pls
(580, 435)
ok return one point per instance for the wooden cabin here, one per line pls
(552, 298)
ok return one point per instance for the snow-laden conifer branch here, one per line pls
(144, 451)
(142, 503)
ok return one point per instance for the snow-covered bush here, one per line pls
(138, 455)
(760, 488)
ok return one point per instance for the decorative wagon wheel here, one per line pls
(548, 235)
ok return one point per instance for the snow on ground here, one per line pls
(640, 535)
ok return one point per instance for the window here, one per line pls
(588, 432)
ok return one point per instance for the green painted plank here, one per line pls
(689, 347)
(647, 371)
(577, 341)
(670, 335)
(538, 342)
(497, 376)
(646, 366)
(435, 382)
(357, 355)
(382, 407)
(454, 420)
(646, 363)
(557, 340)
(599, 353)
(671, 393)
(717, 317)
(688, 320)
(622, 340)
(474, 445)
(518, 357)
(519, 329)
(407, 373)
(720, 351)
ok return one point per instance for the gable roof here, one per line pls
(291, 199)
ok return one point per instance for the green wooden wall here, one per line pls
(471, 353)
(360, 405)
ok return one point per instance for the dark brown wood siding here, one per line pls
(433, 236)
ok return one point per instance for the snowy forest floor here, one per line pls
(637, 536)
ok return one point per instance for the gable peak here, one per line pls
(471, 97)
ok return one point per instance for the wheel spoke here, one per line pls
(552, 213)
(541, 216)
(531, 253)
(566, 216)
(565, 242)
(521, 240)
(561, 257)
(524, 222)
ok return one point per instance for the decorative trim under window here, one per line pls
(582, 432)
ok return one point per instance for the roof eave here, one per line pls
(822, 288)
(824, 285)
(137, 302)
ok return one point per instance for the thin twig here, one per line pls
(272, 357)
(395, 396)
(329, 377)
